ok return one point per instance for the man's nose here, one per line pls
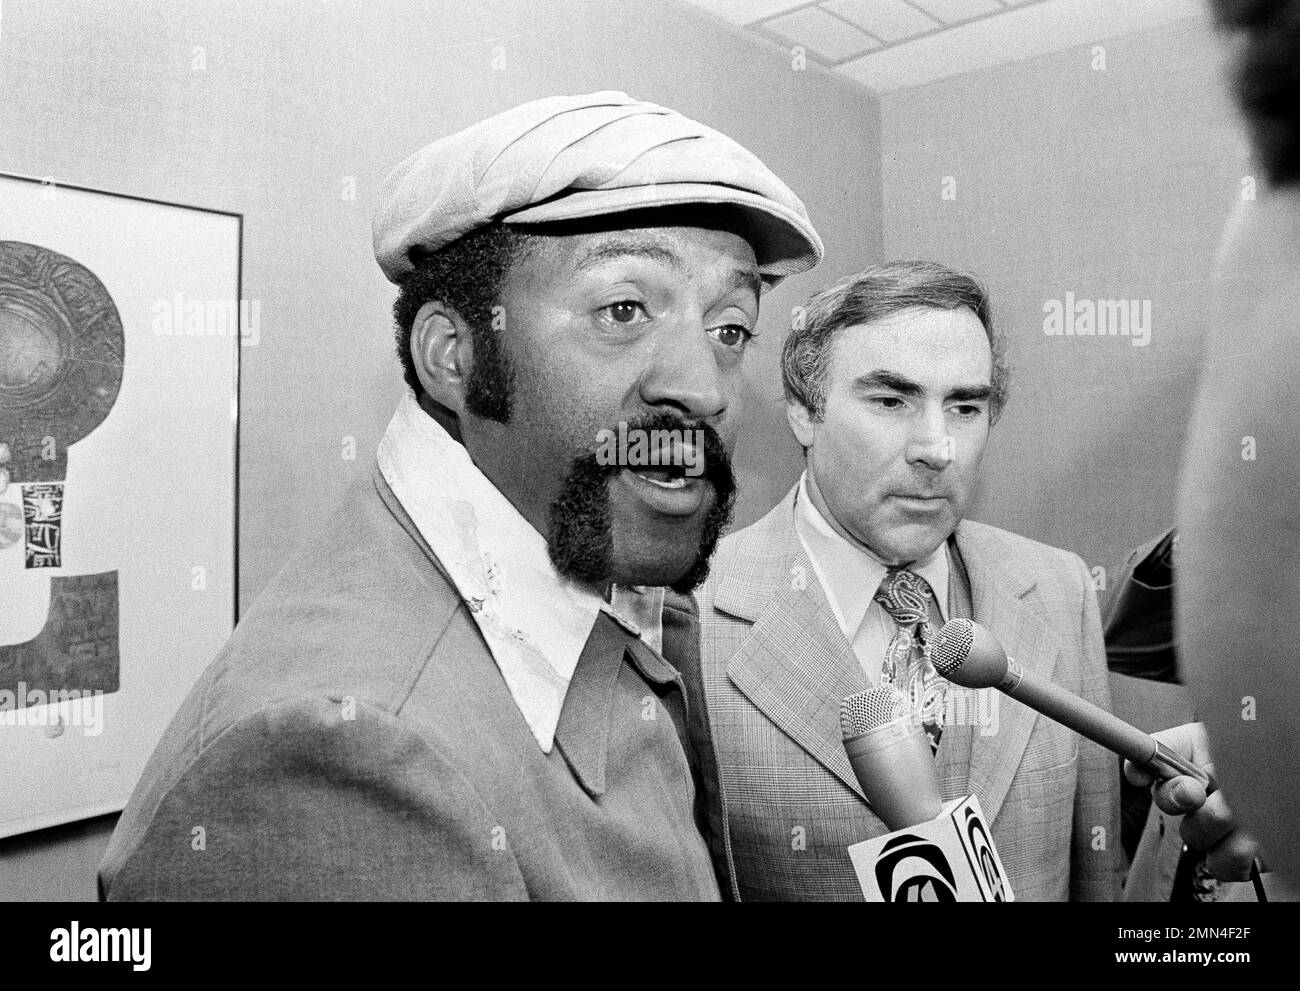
(684, 374)
(930, 443)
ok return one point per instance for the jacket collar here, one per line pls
(582, 734)
(534, 622)
(796, 665)
(1002, 594)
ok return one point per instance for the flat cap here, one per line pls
(573, 157)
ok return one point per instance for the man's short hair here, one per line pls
(871, 295)
(466, 275)
(1266, 79)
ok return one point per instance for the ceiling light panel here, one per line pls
(888, 20)
(830, 38)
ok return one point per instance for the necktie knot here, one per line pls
(906, 596)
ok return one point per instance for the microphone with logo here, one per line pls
(934, 851)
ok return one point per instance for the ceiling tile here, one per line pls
(953, 11)
(745, 11)
(922, 41)
(888, 20)
(1025, 31)
(827, 36)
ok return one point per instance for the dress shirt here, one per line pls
(850, 575)
(535, 621)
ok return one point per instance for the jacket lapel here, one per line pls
(999, 584)
(796, 665)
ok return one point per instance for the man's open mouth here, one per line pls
(667, 490)
(668, 477)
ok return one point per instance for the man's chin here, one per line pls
(906, 548)
(658, 562)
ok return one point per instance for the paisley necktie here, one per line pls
(906, 596)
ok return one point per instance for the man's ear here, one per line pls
(801, 422)
(441, 351)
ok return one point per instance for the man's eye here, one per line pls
(625, 311)
(888, 402)
(967, 411)
(733, 335)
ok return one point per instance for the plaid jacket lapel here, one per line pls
(796, 665)
(999, 584)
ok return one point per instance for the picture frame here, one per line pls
(122, 321)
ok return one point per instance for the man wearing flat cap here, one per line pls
(465, 689)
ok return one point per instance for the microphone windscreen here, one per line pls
(890, 755)
(864, 711)
(950, 648)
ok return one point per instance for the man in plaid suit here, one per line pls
(892, 381)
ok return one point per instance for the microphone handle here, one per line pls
(895, 770)
(1099, 726)
(1111, 732)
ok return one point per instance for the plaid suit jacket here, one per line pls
(783, 804)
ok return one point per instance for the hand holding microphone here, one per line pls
(969, 655)
(1208, 823)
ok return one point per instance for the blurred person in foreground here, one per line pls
(1239, 546)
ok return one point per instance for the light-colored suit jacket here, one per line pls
(784, 802)
(355, 740)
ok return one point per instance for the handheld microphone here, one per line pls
(890, 755)
(969, 655)
(934, 851)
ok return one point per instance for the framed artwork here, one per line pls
(121, 325)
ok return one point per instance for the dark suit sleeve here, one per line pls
(1096, 869)
(682, 649)
(1140, 614)
(306, 800)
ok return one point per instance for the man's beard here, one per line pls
(580, 534)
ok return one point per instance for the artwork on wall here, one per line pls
(121, 325)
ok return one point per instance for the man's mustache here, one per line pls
(712, 463)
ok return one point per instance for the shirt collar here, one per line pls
(535, 622)
(850, 574)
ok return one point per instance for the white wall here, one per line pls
(1108, 183)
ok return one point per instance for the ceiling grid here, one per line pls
(892, 44)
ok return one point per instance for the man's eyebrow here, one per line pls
(745, 278)
(622, 247)
(882, 378)
(970, 393)
(615, 248)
